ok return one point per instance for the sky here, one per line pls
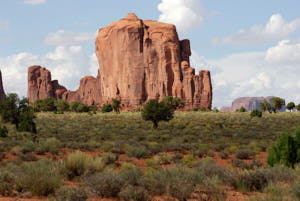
(252, 48)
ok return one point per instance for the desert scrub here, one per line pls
(137, 151)
(255, 180)
(133, 193)
(67, 193)
(77, 164)
(51, 145)
(244, 154)
(41, 178)
(105, 184)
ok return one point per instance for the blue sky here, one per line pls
(251, 47)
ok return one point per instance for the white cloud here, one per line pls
(185, 14)
(35, 2)
(271, 72)
(276, 29)
(68, 38)
(285, 52)
(67, 64)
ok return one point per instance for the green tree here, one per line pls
(277, 103)
(45, 105)
(106, 108)
(62, 106)
(3, 132)
(242, 109)
(82, 108)
(298, 107)
(174, 103)
(256, 113)
(74, 105)
(265, 106)
(157, 111)
(290, 106)
(18, 112)
(116, 105)
(286, 150)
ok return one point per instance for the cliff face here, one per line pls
(141, 60)
(138, 61)
(41, 86)
(1, 87)
(249, 103)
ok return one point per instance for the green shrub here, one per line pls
(242, 109)
(296, 190)
(45, 105)
(82, 108)
(41, 178)
(285, 149)
(105, 184)
(240, 164)
(28, 146)
(77, 164)
(62, 106)
(109, 158)
(256, 113)
(116, 105)
(106, 108)
(231, 150)
(51, 145)
(67, 193)
(133, 193)
(137, 151)
(223, 155)
(73, 106)
(244, 154)
(28, 157)
(3, 132)
(7, 182)
(255, 180)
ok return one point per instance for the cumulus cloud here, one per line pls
(68, 64)
(277, 28)
(68, 38)
(185, 14)
(35, 2)
(271, 72)
(286, 52)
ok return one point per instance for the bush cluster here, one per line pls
(60, 106)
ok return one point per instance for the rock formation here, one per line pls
(141, 60)
(249, 103)
(1, 87)
(41, 86)
(138, 61)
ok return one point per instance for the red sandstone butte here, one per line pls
(1, 87)
(138, 60)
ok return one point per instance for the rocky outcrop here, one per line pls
(41, 86)
(1, 87)
(138, 61)
(249, 103)
(141, 60)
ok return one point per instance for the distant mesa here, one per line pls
(249, 103)
(138, 60)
